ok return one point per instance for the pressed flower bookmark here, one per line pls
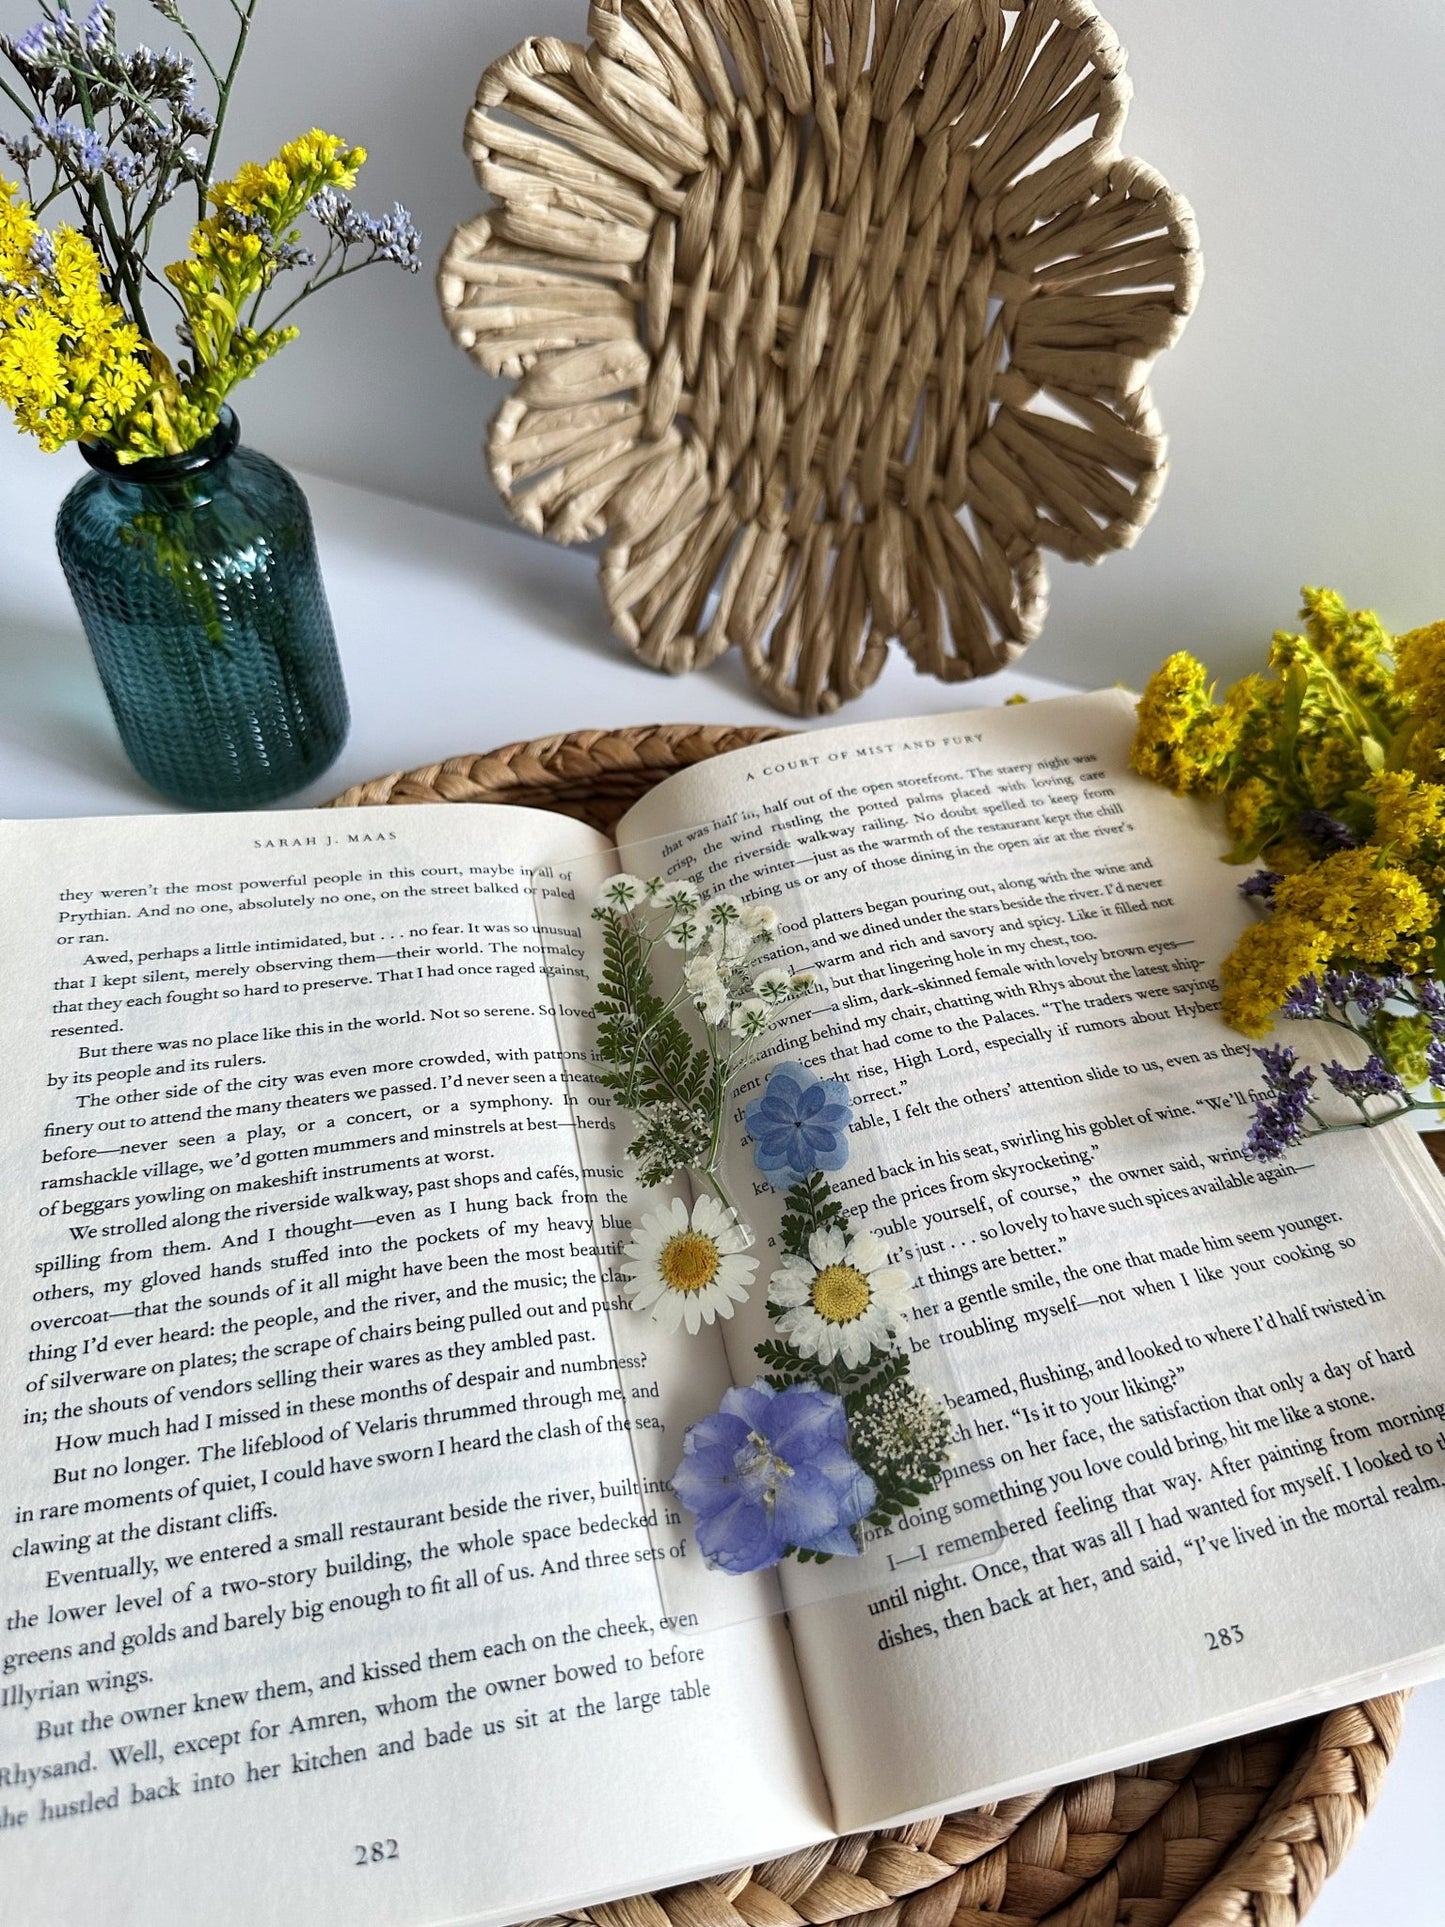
(836, 1436)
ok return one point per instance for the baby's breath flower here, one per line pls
(730, 942)
(679, 897)
(749, 1019)
(710, 1000)
(685, 932)
(760, 919)
(773, 986)
(622, 892)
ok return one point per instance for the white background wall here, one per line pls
(1306, 401)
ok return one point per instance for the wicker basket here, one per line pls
(1243, 1833)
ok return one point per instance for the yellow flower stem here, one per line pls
(223, 98)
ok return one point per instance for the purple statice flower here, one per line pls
(1435, 1063)
(391, 237)
(124, 169)
(1327, 832)
(1358, 987)
(769, 1473)
(23, 149)
(1282, 1069)
(35, 47)
(799, 1125)
(1430, 997)
(97, 31)
(1279, 1115)
(1373, 1079)
(42, 253)
(1307, 999)
(81, 146)
(1262, 884)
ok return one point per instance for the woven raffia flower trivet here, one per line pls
(1242, 1834)
(829, 315)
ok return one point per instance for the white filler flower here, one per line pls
(846, 1299)
(622, 892)
(688, 1270)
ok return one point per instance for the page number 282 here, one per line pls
(1224, 1636)
(367, 1855)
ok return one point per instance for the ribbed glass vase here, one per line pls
(197, 581)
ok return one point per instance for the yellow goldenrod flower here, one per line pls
(71, 365)
(1351, 909)
(235, 255)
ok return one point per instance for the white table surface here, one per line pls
(455, 638)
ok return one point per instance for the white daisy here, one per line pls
(622, 892)
(846, 1299)
(688, 1270)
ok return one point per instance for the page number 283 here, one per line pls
(1224, 1636)
(368, 1854)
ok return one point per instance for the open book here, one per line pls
(341, 1585)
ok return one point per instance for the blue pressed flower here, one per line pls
(1429, 996)
(1435, 1063)
(769, 1472)
(799, 1125)
(1263, 884)
(1373, 1079)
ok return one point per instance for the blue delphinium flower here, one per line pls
(770, 1472)
(1279, 1115)
(800, 1125)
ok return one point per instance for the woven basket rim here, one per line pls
(1244, 1831)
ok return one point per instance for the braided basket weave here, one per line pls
(1241, 1834)
(829, 315)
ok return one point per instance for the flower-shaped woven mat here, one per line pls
(1242, 1834)
(830, 316)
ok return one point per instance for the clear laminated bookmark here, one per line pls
(787, 1344)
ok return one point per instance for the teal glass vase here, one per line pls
(197, 581)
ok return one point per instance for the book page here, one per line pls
(1205, 1392)
(329, 1595)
